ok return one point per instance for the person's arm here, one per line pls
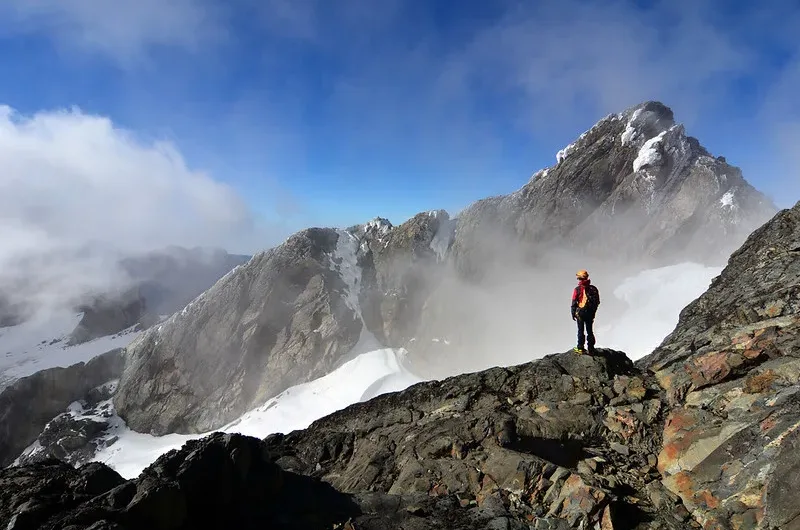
(574, 306)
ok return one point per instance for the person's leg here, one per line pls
(581, 336)
(590, 334)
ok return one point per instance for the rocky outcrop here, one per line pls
(284, 318)
(29, 403)
(401, 266)
(633, 187)
(731, 371)
(562, 442)
(223, 481)
(75, 436)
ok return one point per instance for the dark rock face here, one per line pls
(731, 371)
(284, 318)
(632, 187)
(28, 404)
(562, 442)
(223, 481)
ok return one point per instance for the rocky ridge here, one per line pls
(731, 373)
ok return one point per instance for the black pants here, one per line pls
(585, 331)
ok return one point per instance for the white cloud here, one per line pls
(576, 61)
(74, 190)
(122, 29)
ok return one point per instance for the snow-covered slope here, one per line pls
(654, 301)
(40, 343)
(368, 375)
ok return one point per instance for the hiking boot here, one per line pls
(578, 350)
(592, 350)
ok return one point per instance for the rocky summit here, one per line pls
(633, 187)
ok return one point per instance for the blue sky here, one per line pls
(318, 112)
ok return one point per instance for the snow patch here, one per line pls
(380, 225)
(727, 200)
(568, 150)
(40, 343)
(631, 132)
(368, 375)
(649, 154)
(655, 299)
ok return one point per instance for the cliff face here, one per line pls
(285, 317)
(731, 370)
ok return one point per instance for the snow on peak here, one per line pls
(727, 200)
(542, 173)
(649, 154)
(630, 130)
(380, 225)
(568, 150)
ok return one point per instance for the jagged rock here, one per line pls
(632, 187)
(731, 370)
(222, 481)
(506, 437)
(284, 318)
(29, 403)
(401, 266)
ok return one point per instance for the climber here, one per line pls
(585, 300)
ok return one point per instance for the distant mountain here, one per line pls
(634, 187)
(632, 192)
(141, 288)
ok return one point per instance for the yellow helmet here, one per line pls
(582, 274)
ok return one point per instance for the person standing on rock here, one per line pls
(585, 300)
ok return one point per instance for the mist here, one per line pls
(501, 300)
(78, 194)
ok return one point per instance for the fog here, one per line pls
(501, 301)
(78, 193)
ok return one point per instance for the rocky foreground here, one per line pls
(703, 433)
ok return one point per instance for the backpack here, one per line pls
(592, 298)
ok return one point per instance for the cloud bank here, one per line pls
(76, 192)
